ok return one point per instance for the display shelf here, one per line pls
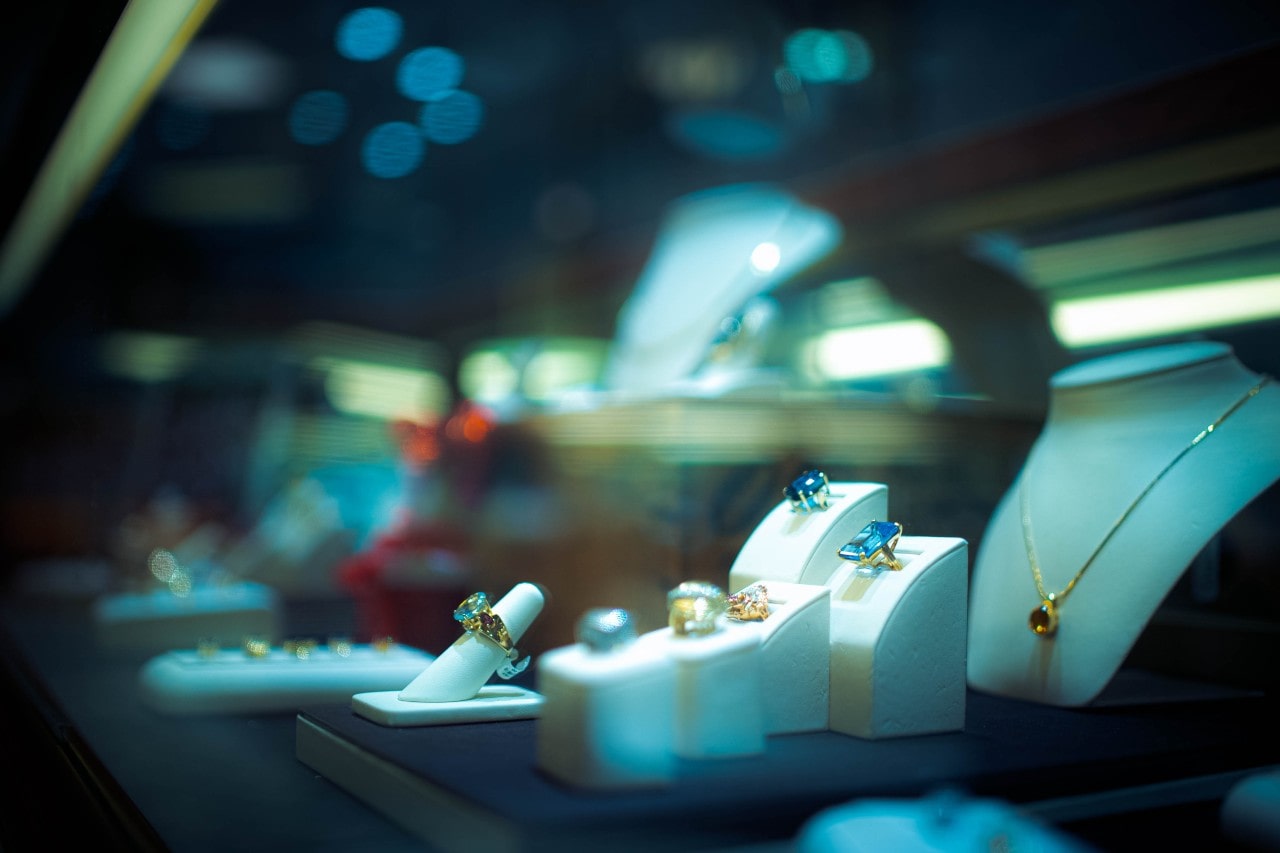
(1101, 760)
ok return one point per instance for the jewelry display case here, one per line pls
(404, 405)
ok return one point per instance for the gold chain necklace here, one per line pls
(1043, 621)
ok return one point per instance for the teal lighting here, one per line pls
(393, 150)
(318, 117)
(429, 72)
(452, 117)
(368, 34)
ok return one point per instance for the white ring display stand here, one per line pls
(795, 657)
(800, 547)
(159, 620)
(608, 720)
(452, 689)
(898, 642)
(231, 682)
(718, 691)
(1114, 423)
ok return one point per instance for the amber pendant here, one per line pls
(1043, 621)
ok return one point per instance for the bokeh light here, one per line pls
(824, 56)
(368, 34)
(318, 117)
(452, 117)
(393, 150)
(765, 257)
(429, 72)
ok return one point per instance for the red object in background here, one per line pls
(407, 584)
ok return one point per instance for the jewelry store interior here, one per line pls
(761, 426)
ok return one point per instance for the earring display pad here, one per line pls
(609, 718)
(231, 682)
(452, 688)
(800, 547)
(1114, 424)
(719, 712)
(795, 657)
(898, 642)
(160, 620)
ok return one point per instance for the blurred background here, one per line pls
(377, 305)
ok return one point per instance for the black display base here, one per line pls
(476, 786)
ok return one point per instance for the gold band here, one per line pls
(477, 617)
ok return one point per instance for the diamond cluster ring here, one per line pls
(693, 608)
(749, 604)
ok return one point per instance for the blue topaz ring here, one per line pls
(749, 604)
(478, 618)
(694, 607)
(809, 492)
(605, 629)
(873, 546)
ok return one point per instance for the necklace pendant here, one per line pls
(1043, 621)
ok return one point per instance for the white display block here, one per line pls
(609, 717)
(799, 547)
(795, 657)
(231, 682)
(491, 703)
(1114, 483)
(719, 709)
(451, 689)
(898, 642)
(160, 620)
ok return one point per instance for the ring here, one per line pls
(301, 649)
(749, 604)
(208, 647)
(256, 647)
(605, 629)
(693, 608)
(873, 546)
(478, 618)
(340, 646)
(383, 645)
(808, 492)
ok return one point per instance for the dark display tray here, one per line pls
(461, 785)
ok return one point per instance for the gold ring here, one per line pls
(477, 617)
(693, 608)
(301, 649)
(382, 645)
(340, 646)
(749, 604)
(208, 647)
(873, 546)
(256, 647)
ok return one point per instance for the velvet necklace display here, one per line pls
(1043, 621)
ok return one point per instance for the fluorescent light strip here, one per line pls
(1150, 313)
(882, 349)
(146, 42)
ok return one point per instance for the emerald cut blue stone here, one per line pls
(808, 491)
(875, 537)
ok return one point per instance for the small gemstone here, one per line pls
(486, 620)
(1043, 621)
(808, 491)
(470, 608)
(869, 540)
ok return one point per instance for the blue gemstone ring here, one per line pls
(605, 629)
(478, 618)
(694, 607)
(809, 492)
(873, 546)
